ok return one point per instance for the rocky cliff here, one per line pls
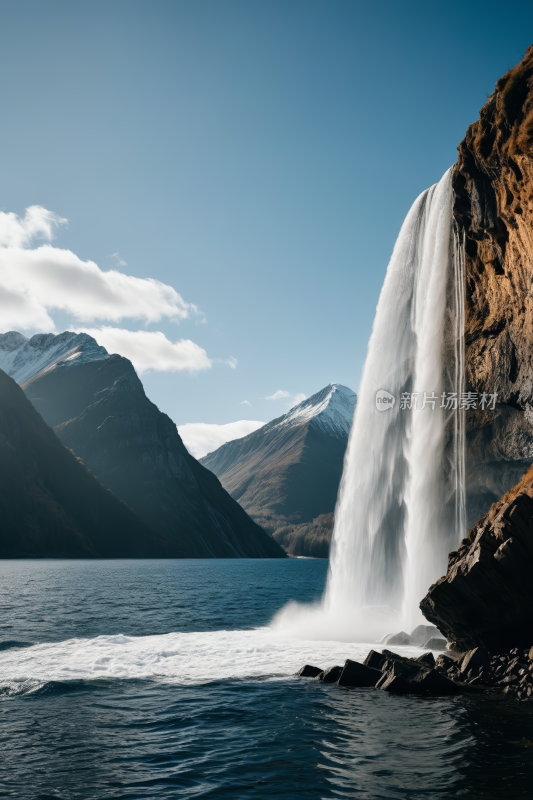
(486, 596)
(493, 185)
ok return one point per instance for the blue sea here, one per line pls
(162, 679)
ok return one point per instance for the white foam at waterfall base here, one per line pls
(401, 501)
(182, 658)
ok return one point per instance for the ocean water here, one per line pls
(162, 679)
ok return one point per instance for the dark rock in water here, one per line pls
(398, 638)
(474, 659)
(390, 656)
(428, 659)
(435, 644)
(423, 680)
(395, 684)
(422, 633)
(470, 688)
(374, 660)
(384, 677)
(330, 675)
(308, 672)
(444, 662)
(355, 674)
(509, 679)
(433, 682)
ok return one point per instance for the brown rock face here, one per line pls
(493, 185)
(486, 597)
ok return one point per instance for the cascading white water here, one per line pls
(401, 502)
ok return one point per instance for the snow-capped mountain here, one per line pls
(26, 359)
(287, 473)
(330, 410)
(96, 404)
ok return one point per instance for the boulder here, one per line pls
(395, 684)
(422, 633)
(423, 680)
(374, 660)
(355, 674)
(390, 656)
(445, 662)
(435, 644)
(329, 675)
(431, 682)
(428, 659)
(486, 597)
(398, 638)
(308, 672)
(474, 659)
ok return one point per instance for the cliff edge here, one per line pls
(493, 205)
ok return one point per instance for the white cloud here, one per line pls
(151, 350)
(37, 222)
(245, 403)
(34, 282)
(279, 395)
(201, 438)
(120, 261)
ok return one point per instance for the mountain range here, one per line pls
(98, 408)
(286, 474)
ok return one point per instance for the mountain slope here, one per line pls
(288, 472)
(50, 504)
(98, 408)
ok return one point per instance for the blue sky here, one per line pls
(257, 156)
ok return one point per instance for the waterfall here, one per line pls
(401, 506)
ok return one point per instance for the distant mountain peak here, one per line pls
(330, 410)
(24, 359)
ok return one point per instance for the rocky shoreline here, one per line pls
(475, 671)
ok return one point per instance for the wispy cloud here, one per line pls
(120, 261)
(201, 438)
(37, 223)
(291, 399)
(245, 403)
(151, 350)
(281, 394)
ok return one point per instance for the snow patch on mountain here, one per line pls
(24, 359)
(330, 411)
